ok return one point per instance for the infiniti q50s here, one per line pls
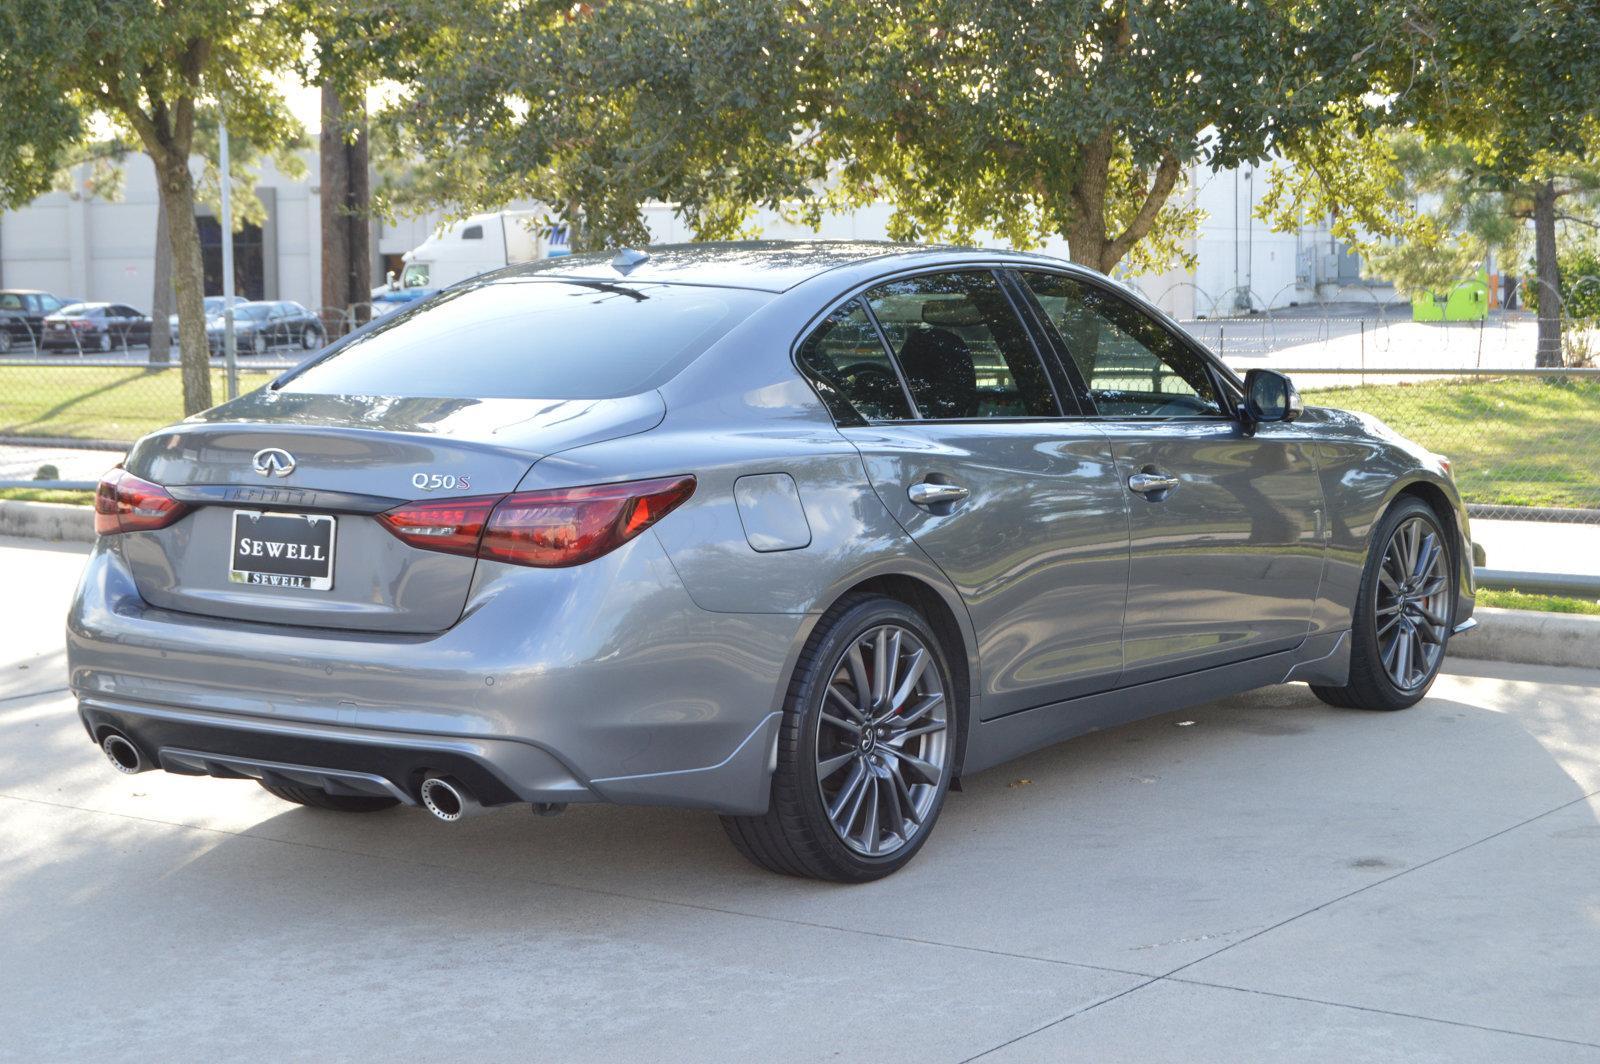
(797, 533)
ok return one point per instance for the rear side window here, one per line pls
(852, 372)
(961, 347)
(533, 339)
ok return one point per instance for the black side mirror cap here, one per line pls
(1269, 396)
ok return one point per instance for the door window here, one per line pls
(851, 371)
(1132, 366)
(961, 347)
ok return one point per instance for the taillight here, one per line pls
(126, 503)
(453, 526)
(548, 529)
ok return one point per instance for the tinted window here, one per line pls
(961, 347)
(472, 232)
(124, 312)
(852, 372)
(49, 303)
(536, 339)
(251, 312)
(1132, 365)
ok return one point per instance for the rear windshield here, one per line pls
(534, 339)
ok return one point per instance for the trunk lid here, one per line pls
(348, 458)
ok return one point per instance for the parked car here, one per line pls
(214, 306)
(22, 314)
(797, 533)
(259, 327)
(98, 327)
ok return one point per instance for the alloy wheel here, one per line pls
(1413, 603)
(882, 740)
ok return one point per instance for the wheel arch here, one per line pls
(1447, 507)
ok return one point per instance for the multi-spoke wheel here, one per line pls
(1403, 615)
(867, 749)
(882, 740)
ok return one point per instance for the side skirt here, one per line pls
(1323, 658)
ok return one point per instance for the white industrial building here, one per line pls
(77, 245)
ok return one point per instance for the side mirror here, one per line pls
(392, 282)
(1268, 397)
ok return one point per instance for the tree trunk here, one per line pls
(176, 186)
(1548, 280)
(335, 195)
(161, 296)
(358, 220)
(345, 210)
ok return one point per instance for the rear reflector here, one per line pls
(548, 529)
(126, 503)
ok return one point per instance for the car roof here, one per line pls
(766, 265)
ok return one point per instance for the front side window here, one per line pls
(851, 370)
(533, 339)
(1132, 366)
(961, 347)
(10, 302)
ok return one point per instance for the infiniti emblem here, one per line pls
(273, 462)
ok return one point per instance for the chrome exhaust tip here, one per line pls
(448, 800)
(122, 754)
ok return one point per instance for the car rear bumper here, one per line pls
(555, 686)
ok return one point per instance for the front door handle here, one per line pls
(1151, 483)
(927, 493)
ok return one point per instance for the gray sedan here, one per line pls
(796, 533)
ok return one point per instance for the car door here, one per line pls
(964, 440)
(1226, 529)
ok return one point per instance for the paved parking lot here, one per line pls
(1262, 879)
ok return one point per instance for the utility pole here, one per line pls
(226, 182)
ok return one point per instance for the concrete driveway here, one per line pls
(1262, 879)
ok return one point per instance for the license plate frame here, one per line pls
(300, 562)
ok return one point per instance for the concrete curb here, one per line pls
(1524, 636)
(1531, 638)
(56, 521)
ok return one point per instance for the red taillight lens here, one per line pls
(547, 529)
(569, 526)
(126, 503)
(453, 526)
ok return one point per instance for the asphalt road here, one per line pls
(1262, 879)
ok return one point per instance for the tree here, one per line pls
(1503, 95)
(1077, 118)
(143, 67)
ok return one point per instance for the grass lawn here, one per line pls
(1514, 441)
(77, 498)
(1518, 600)
(98, 402)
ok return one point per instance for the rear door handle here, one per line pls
(1150, 483)
(927, 493)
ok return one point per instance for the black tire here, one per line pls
(320, 799)
(310, 339)
(105, 342)
(5, 340)
(1370, 686)
(795, 836)
(258, 344)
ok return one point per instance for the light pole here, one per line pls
(225, 180)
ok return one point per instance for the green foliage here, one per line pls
(1076, 118)
(1580, 283)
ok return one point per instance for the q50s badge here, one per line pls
(440, 482)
